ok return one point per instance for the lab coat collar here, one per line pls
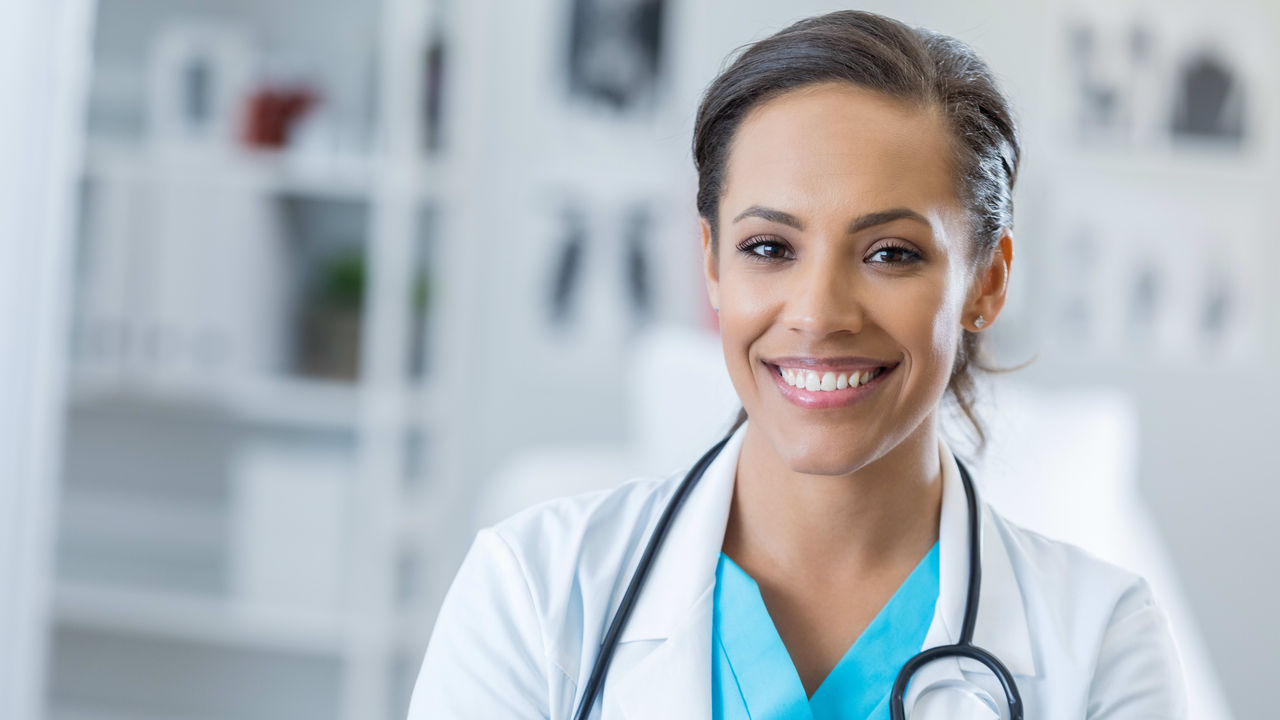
(675, 607)
(685, 567)
(1002, 627)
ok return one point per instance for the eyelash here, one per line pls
(748, 247)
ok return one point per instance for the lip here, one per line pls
(825, 399)
(831, 364)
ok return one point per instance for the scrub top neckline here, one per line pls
(755, 659)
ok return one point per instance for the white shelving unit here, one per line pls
(151, 508)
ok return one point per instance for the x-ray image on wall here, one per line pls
(1209, 100)
(1139, 75)
(566, 279)
(615, 52)
(598, 261)
(1113, 73)
(1075, 314)
(1145, 297)
(637, 233)
(1154, 276)
(1223, 287)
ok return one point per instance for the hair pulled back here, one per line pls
(913, 65)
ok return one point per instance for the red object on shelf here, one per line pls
(272, 113)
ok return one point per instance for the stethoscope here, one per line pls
(964, 648)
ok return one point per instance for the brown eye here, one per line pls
(895, 255)
(769, 250)
(764, 248)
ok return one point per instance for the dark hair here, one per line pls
(913, 65)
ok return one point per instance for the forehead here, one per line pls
(837, 145)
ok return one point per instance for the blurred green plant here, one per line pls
(345, 278)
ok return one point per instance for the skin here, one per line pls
(833, 508)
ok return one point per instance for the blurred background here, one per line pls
(295, 295)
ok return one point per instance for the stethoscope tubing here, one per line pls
(964, 648)
(610, 640)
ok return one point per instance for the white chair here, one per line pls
(1065, 463)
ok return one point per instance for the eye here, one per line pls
(894, 254)
(764, 248)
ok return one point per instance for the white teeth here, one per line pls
(828, 381)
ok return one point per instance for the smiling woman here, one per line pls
(830, 558)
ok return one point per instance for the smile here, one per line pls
(822, 388)
(828, 381)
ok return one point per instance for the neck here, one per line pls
(883, 514)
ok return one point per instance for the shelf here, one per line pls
(198, 619)
(296, 402)
(217, 622)
(76, 712)
(322, 403)
(183, 526)
(272, 172)
(289, 401)
(268, 171)
(152, 615)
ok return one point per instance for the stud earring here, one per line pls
(716, 308)
(978, 322)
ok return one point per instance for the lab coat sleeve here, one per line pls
(485, 658)
(1138, 674)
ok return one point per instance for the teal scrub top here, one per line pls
(752, 675)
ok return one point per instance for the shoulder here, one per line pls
(1076, 587)
(1057, 565)
(578, 526)
(529, 599)
(1101, 619)
(577, 553)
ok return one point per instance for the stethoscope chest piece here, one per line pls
(965, 647)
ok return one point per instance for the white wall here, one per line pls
(42, 52)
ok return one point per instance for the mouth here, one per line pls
(814, 386)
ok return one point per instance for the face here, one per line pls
(843, 273)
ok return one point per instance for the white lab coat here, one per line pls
(521, 625)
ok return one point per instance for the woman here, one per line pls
(855, 189)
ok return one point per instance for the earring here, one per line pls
(978, 322)
(716, 308)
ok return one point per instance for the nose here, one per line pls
(825, 300)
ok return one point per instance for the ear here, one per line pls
(987, 295)
(710, 267)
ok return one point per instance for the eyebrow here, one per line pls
(860, 223)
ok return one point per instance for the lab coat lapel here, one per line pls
(1001, 626)
(673, 680)
(674, 610)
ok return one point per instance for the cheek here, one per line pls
(742, 312)
(746, 313)
(927, 325)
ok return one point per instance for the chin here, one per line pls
(821, 464)
(832, 455)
